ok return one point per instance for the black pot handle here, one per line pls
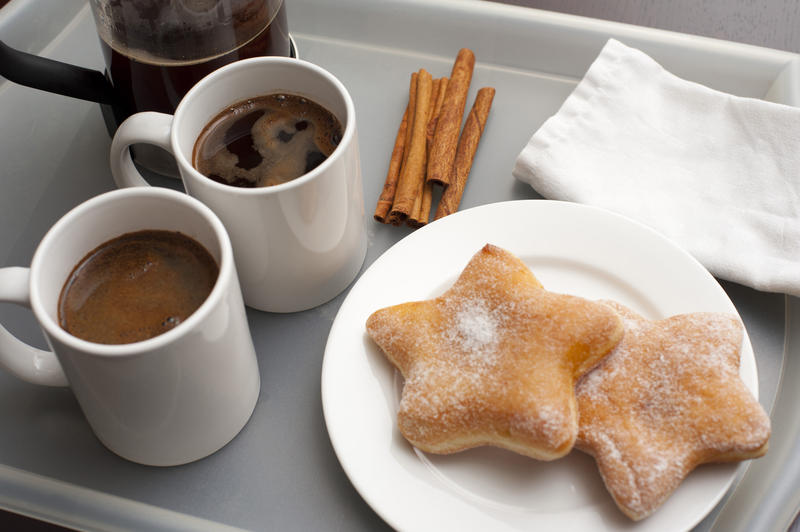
(53, 76)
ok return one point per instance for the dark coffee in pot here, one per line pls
(155, 51)
(266, 141)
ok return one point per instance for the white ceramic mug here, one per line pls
(297, 244)
(167, 400)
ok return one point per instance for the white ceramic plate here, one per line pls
(571, 249)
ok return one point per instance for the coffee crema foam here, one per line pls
(266, 141)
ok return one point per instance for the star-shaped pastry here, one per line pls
(668, 398)
(494, 360)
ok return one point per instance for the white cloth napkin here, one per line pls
(716, 173)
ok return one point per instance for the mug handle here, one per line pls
(147, 127)
(26, 362)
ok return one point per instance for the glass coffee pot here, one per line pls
(154, 52)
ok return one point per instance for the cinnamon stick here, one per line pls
(465, 154)
(423, 209)
(445, 138)
(413, 171)
(390, 185)
(412, 107)
(386, 198)
(421, 212)
(437, 109)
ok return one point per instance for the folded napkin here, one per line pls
(716, 173)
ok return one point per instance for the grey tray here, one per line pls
(281, 473)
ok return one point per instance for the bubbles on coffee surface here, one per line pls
(266, 141)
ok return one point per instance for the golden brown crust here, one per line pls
(494, 360)
(668, 398)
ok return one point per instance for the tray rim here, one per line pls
(787, 74)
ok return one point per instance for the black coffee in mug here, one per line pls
(266, 141)
(136, 286)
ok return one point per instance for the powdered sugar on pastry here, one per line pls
(494, 360)
(667, 399)
(475, 329)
